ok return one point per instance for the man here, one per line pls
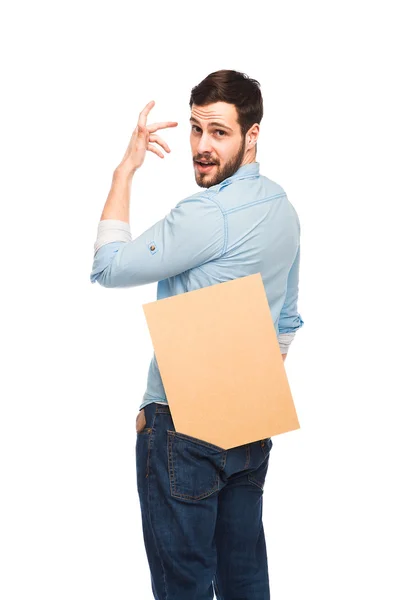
(202, 505)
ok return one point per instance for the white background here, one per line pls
(75, 355)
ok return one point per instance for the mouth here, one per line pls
(204, 167)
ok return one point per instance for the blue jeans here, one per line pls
(201, 511)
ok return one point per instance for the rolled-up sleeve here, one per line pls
(290, 320)
(192, 234)
(112, 230)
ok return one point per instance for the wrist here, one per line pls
(124, 171)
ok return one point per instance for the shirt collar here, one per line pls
(244, 172)
(249, 170)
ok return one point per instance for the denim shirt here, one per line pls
(241, 226)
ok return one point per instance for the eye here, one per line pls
(220, 131)
(194, 127)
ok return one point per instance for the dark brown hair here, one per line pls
(235, 88)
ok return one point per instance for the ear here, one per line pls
(252, 135)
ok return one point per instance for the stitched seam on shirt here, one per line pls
(226, 183)
(213, 199)
(236, 208)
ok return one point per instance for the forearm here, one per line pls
(118, 199)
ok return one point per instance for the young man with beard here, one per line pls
(201, 505)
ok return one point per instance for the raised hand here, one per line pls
(141, 141)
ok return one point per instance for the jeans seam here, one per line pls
(247, 456)
(224, 457)
(262, 447)
(150, 430)
(149, 509)
(256, 482)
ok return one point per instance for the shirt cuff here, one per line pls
(112, 230)
(285, 339)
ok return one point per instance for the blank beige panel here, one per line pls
(220, 363)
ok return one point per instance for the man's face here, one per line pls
(216, 137)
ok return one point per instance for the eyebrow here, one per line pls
(192, 119)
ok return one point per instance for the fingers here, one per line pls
(152, 128)
(143, 115)
(160, 141)
(155, 150)
(143, 129)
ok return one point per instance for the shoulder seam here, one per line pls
(213, 199)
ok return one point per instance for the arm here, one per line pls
(118, 199)
(290, 320)
(191, 234)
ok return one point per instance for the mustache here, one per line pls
(205, 158)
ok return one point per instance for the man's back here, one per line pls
(258, 232)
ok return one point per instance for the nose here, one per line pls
(204, 145)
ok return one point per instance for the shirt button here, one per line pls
(152, 248)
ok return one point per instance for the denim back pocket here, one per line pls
(193, 466)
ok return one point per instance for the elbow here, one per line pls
(105, 268)
(103, 278)
(296, 324)
(290, 324)
(110, 277)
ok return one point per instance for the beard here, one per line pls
(207, 180)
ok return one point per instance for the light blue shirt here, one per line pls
(241, 226)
